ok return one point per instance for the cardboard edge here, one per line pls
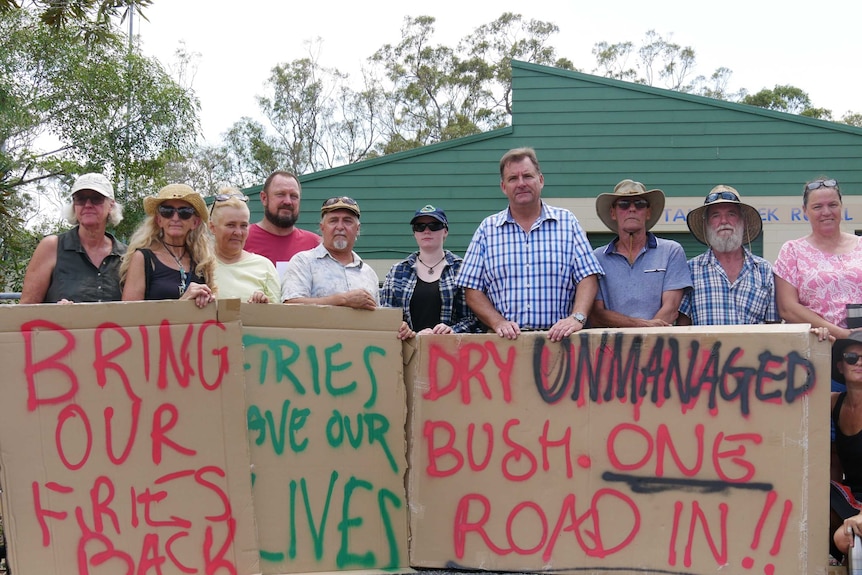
(306, 316)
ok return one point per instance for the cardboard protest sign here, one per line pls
(671, 450)
(122, 440)
(326, 414)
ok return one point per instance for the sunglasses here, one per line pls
(95, 199)
(817, 184)
(851, 357)
(167, 212)
(343, 199)
(714, 196)
(640, 204)
(433, 226)
(226, 197)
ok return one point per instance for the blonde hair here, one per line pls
(232, 202)
(198, 243)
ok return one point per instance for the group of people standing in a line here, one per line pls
(529, 267)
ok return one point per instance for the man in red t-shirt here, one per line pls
(276, 237)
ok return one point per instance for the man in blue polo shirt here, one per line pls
(645, 276)
(529, 267)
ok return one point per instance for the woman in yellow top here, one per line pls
(240, 274)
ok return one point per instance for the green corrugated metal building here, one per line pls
(589, 133)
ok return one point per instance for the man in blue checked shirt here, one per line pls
(645, 276)
(529, 267)
(732, 286)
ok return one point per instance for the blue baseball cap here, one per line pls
(433, 212)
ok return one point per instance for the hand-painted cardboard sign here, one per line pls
(671, 450)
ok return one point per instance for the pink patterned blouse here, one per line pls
(826, 282)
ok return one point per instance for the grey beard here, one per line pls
(340, 243)
(279, 221)
(725, 244)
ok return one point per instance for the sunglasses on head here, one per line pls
(167, 212)
(640, 204)
(714, 196)
(817, 184)
(226, 197)
(851, 357)
(433, 226)
(343, 199)
(95, 199)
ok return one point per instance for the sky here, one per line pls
(813, 46)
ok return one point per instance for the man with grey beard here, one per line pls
(332, 273)
(732, 286)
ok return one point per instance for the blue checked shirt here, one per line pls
(400, 283)
(530, 278)
(715, 301)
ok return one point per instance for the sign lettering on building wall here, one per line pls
(769, 214)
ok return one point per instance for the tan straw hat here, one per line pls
(629, 189)
(722, 194)
(177, 192)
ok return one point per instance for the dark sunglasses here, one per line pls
(433, 226)
(714, 196)
(850, 357)
(95, 199)
(226, 197)
(817, 184)
(343, 199)
(640, 204)
(167, 212)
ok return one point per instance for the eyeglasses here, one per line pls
(851, 357)
(95, 199)
(167, 212)
(433, 226)
(226, 197)
(343, 199)
(640, 204)
(817, 184)
(714, 196)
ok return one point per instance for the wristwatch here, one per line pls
(580, 317)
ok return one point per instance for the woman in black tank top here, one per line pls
(170, 255)
(846, 467)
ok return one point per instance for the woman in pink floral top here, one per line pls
(818, 275)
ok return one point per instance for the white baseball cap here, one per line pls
(96, 182)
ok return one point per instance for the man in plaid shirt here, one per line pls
(529, 267)
(732, 286)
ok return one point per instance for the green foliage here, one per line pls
(92, 18)
(75, 101)
(412, 94)
(787, 99)
(853, 119)
(656, 61)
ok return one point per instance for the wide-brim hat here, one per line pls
(177, 192)
(432, 212)
(96, 182)
(724, 195)
(629, 189)
(838, 350)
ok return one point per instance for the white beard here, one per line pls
(725, 244)
(340, 243)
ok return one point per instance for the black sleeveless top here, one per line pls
(849, 450)
(75, 278)
(163, 282)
